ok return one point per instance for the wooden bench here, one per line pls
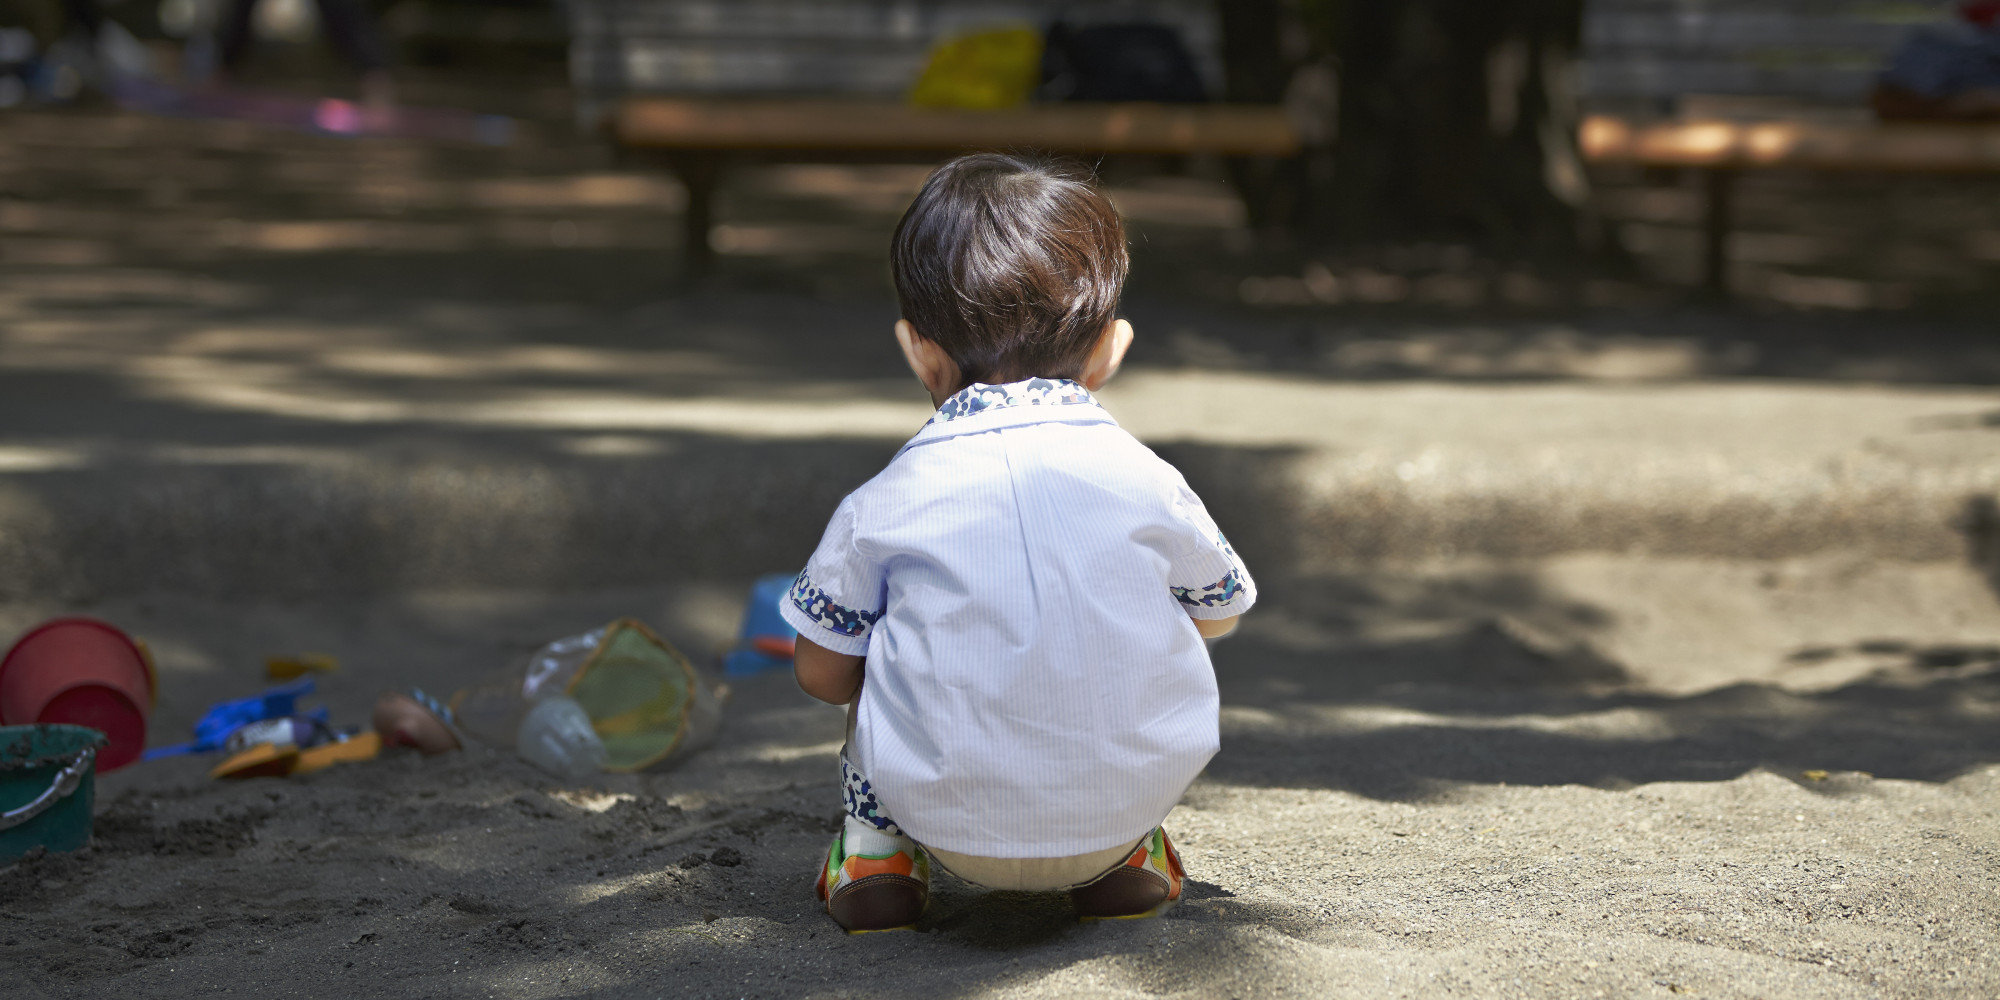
(705, 84)
(700, 136)
(1811, 62)
(1721, 150)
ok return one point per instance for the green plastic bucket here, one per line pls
(48, 777)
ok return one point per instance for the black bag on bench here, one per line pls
(1118, 62)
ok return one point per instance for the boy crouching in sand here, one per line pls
(1019, 599)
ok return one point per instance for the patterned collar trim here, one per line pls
(980, 397)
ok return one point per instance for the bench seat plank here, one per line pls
(681, 123)
(1727, 145)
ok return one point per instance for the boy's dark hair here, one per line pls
(1012, 265)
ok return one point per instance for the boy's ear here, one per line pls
(1108, 355)
(928, 362)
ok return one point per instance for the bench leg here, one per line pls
(1717, 188)
(699, 174)
(1269, 189)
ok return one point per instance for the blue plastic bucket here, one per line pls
(48, 781)
(761, 619)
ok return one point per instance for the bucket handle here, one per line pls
(65, 783)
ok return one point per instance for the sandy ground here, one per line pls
(1427, 787)
(1737, 738)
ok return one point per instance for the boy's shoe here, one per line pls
(874, 893)
(1144, 886)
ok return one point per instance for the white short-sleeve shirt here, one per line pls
(1020, 579)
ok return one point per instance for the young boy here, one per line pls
(1019, 600)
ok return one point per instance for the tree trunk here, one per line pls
(1256, 71)
(1456, 118)
(1457, 122)
(1254, 64)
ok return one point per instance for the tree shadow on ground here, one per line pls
(1496, 700)
(375, 233)
(1691, 343)
(1981, 523)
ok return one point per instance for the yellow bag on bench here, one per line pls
(984, 70)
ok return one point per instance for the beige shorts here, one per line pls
(1022, 874)
(1032, 874)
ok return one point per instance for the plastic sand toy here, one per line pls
(47, 782)
(645, 703)
(285, 668)
(82, 672)
(212, 732)
(765, 640)
(277, 760)
(415, 720)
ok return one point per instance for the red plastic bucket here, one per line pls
(82, 672)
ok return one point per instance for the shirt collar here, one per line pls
(980, 397)
(981, 406)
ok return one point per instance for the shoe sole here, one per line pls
(870, 902)
(1156, 911)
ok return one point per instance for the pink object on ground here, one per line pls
(83, 672)
(403, 721)
(337, 116)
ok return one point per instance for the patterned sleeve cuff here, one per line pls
(1225, 598)
(818, 618)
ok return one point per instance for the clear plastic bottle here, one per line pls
(494, 708)
(556, 737)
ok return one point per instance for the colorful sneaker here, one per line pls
(1144, 886)
(866, 892)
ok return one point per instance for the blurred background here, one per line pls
(323, 298)
(1439, 165)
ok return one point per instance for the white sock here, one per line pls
(862, 838)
